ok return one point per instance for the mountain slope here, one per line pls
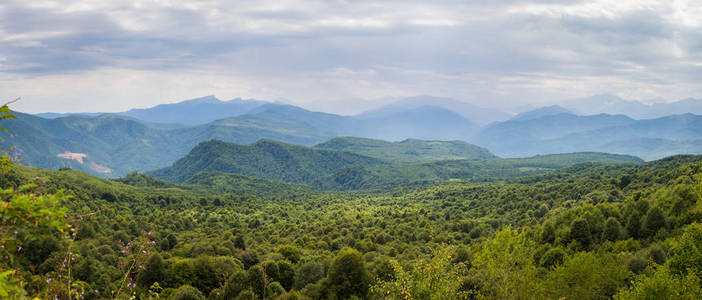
(410, 150)
(265, 159)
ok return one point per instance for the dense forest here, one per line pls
(591, 230)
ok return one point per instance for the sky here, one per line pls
(340, 56)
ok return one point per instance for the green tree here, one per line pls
(633, 224)
(687, 254)
(187, 292)
(655, 220)
(587, 275)
(552, 257)
(154, 271)
(662, 284)
(505, 266)
(348, 275)
(236, 283)
(580, 232)
(309, 272)
(548, 233)
(613, 230)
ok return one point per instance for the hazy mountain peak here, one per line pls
(202, 100)
(474, 113)
(541, 112)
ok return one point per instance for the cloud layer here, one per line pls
(108, 55)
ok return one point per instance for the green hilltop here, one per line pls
(409, 150)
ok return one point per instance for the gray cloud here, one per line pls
(511, 52)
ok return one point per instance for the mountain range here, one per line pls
(613, 104)
(111, 145)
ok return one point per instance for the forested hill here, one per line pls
(265, 159)
(409, 150)
(340, 170)
(409, 174)
(591, 231)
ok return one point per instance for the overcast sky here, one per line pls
(101, 55)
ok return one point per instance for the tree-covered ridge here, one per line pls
(265, 159)
(590, 231)
(408, 174)
(409, 150)
(331, 169)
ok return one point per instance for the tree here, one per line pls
(655, 220)
(613, 230)
(239, 242)
(687, 254)
(548, 233)
(586, 275)
(286, 274)
(248, 258)
(662, 284)
(580, 232)
(205, 274)
(552, 257)
(348, 275)
(237, 282)
(172, 240)
(309, 272)
(633, 225)
(505, 266)
(154, 271)
(187, 292)
(290, 253)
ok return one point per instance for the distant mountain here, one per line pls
(424, 122)
(612, 104)
(476, 114)
(195, 111)
(409, 150)
(265, 159)
(516, 138)
(540, 112)
(407, 174)
(50, 115)
(649, 139)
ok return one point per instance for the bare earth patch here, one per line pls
(79, 157)
(74, 156)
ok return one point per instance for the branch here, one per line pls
(13, 101)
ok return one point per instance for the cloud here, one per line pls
(489, 53)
